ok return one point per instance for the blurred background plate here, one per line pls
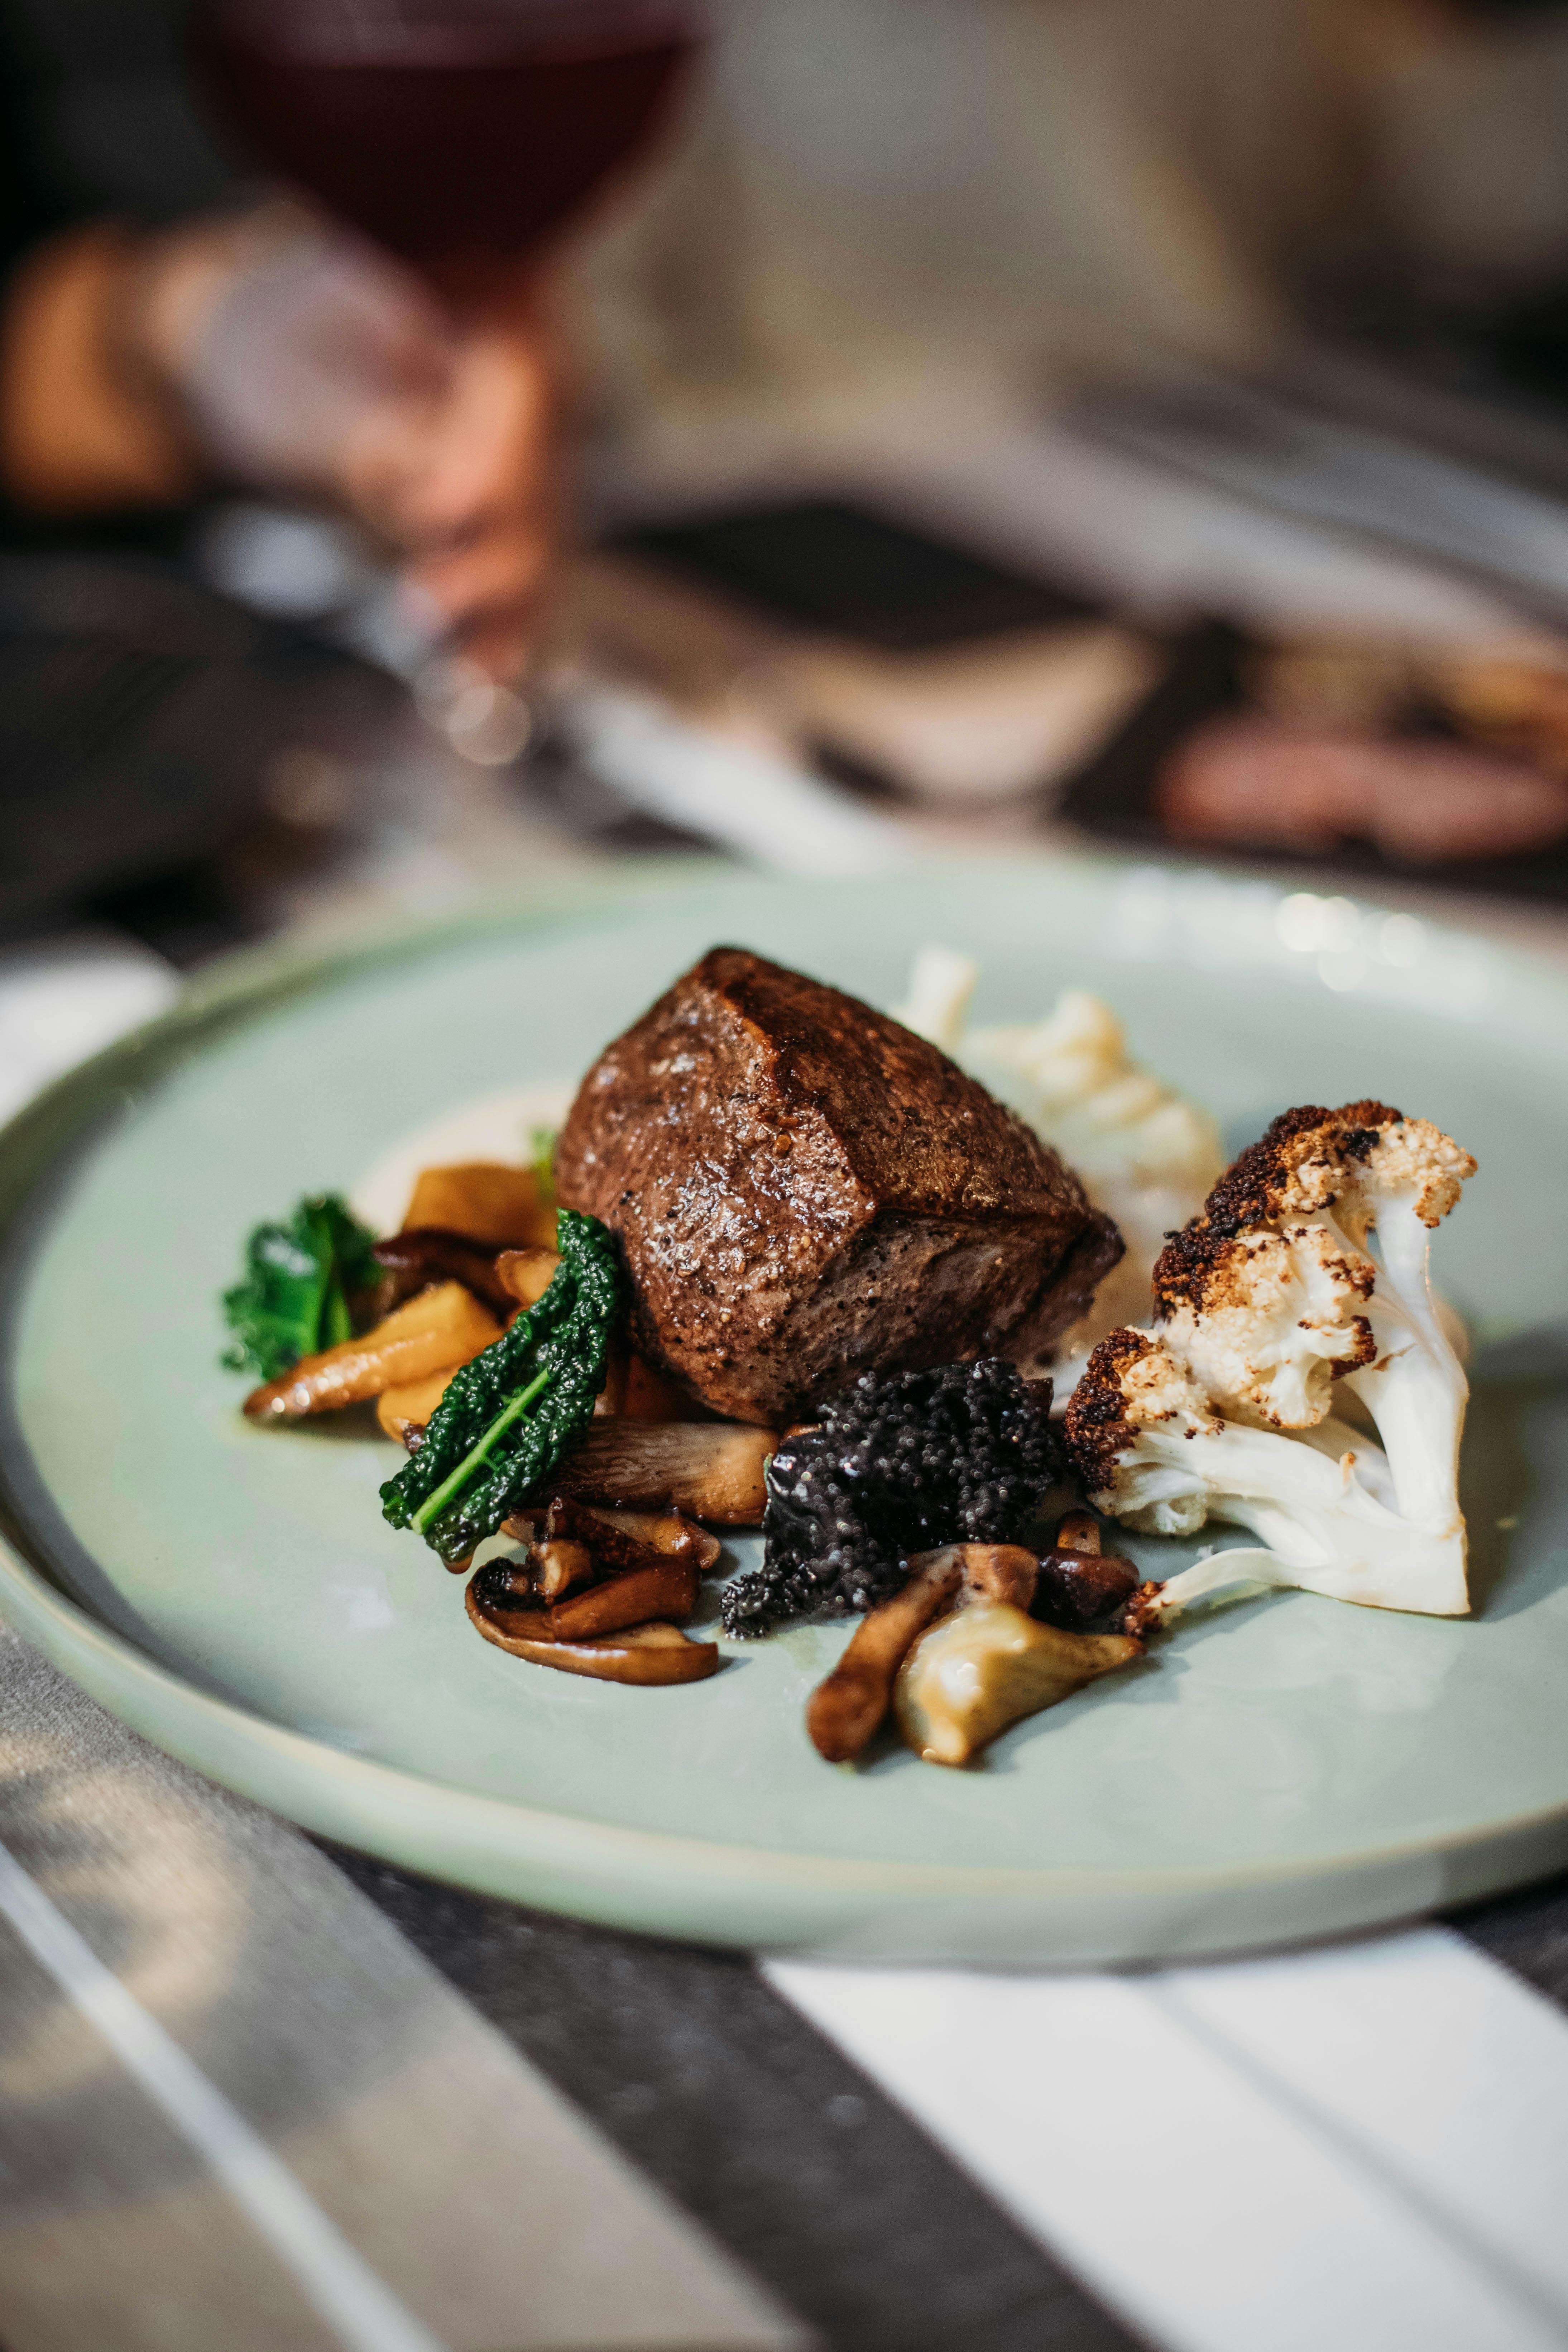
(1286, 1768)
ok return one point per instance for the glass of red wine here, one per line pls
(464, 136)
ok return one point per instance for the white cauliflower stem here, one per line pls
(1221, 1409)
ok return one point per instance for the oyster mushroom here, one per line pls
(1077, 1584)
(657, 1531)
(987, 1666)
(666, 1589)
(846, 1710)
(712, 1469)
(646, 1653)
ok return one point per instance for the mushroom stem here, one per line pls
(846, 1710)
(558, 1567)
(648, 1654)
(987, 1666)
(1000, 1572)
(711, 1469)
(668, 1590)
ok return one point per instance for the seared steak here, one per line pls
(804, 1190)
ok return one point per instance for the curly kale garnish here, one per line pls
(508, 1417)
(300, 1284)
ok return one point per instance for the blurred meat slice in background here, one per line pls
(1264, 783)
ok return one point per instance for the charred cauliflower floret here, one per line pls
(1366, 1177)
(1154, 1454)
(1221, 1409)
(1267, 1319)
(1356, 1162)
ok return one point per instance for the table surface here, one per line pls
(263, 2095)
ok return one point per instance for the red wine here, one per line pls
(461, 136)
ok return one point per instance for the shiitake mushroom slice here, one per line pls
(650, 1531)
(668, 1590)
(425, 1254)
(558, 1567)
(649, 1655)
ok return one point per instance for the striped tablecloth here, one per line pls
(256, 2095)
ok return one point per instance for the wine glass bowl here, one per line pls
(463, 136)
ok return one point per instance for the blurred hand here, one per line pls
(272, 351)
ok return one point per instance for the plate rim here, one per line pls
(574, 1857)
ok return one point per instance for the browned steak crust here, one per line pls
(804, 1190)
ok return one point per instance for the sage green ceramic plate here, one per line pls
(1285, 1767)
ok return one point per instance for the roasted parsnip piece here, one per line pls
(403, 1412)
(651, 1653)
(525, 1274)
(984, 1667)
(426, 1254)
(1078, 1531)
(713, 1469)
(490, 1203)
(436, 1332)
(848, 1708)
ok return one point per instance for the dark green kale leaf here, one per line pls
(508, 1417)
(300, 1282)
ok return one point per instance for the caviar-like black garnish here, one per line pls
(901, 1462)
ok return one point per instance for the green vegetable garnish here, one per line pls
(542, 1144)
(299, 1281)
(508, 1416)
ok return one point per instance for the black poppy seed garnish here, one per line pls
(900, 1463)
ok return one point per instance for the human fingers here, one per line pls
(483, 454)
(489, 592)
(285, 341)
